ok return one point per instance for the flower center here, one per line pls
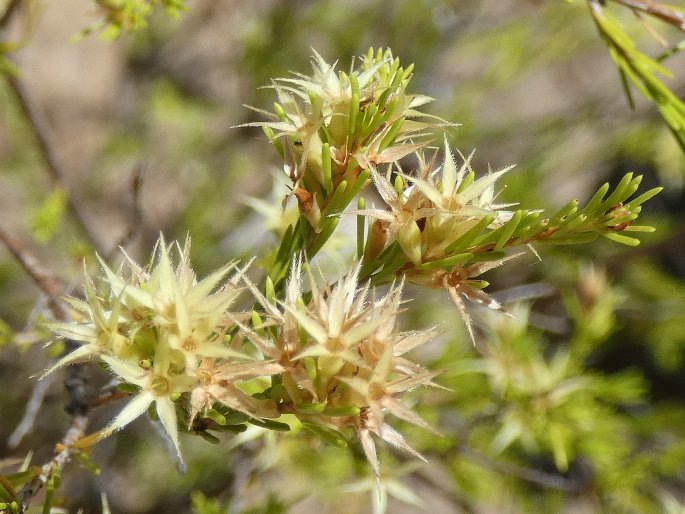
(160, 385)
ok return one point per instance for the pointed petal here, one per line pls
(207, 349)
(125, 370)
(208, 284)
(118, 285)
(389, 435)
(80, 354)
(449, 171)
(462, 310)
(167, 415)
(137, 406)
(400, 410)
(385, 188)
(370, 451)
(311, 327)
(82, 333)
(481, 185)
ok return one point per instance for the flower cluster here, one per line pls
(166, 333)
(328, 355)
(331, 126)
(441, 226)
(336, 361)
(343, 359)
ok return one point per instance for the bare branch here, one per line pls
(42, 278)
(534, 476)
(61, 457)
(9, 12)
(56, 171)
(32, 409)
(657, 10)
(136, 223)
(75, 381)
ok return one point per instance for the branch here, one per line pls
(31, 411)
(62, 454)
(661, 11)
(56, 171)
(75, 381)
(136, 223)
(534, 476)
(42, 278)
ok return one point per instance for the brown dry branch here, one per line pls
(136, 222)
(534, 476)
(41, 277)
(61, 457)
(75, 380)
(56, 170)
(657, 10)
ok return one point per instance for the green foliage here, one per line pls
(50, 217)
(203, 505)
(127, 16)
(641, 70)
(330, 387)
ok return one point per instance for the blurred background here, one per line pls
(529, 82)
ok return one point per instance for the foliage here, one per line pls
(322, 381)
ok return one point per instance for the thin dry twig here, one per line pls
(75, 381)
(56, 171)
(533, 476)
(31, 411)
(41, 277)
(657, 10)
(61, 457)
(136, 222)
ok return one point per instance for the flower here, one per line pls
(401, 221)
(164, 331)
(158, 385)
(343, 357)
(331, 125)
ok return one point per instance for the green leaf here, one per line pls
(620, 238)
(270, 424)
(447, 262)
(326, 434)
(6, 333)
(310, 408)
(48, 219)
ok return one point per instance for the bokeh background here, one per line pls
(529, 82)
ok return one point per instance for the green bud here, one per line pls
(310, 408)
(216, 417)
(342, 411)
(409, 238)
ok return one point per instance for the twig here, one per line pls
(42, 278)
(9, 12)
(62, 454)
(534, 476)
(448, 493)
(657, 10)
(136, 223)
(55, 168)
(32, 408)
(75, 381)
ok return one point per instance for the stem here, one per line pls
(136, 223)
(61, 457)
(75, 381)
(661, 11)
(56, 170)
(42, 278)
(534, 476)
